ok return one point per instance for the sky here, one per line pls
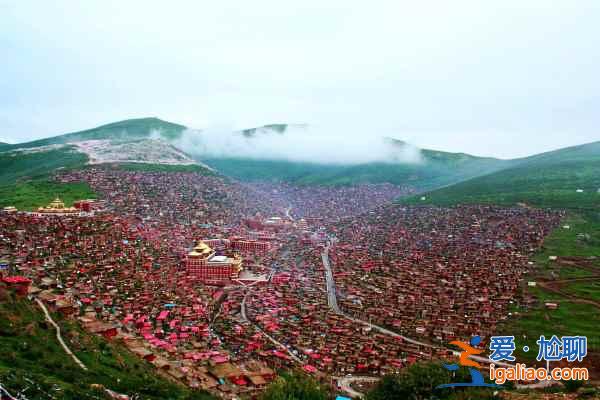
(494, 78)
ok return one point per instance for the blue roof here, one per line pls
(342, 398)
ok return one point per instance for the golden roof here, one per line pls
(57, 206)
(56, 203)
(203, 248)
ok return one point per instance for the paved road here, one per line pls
(332, 301)
(331, 292)
(4, 394)
(345, 382)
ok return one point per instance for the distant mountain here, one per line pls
(565, 178)
(452, 177)
(129, 140)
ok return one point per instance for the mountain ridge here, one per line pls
(439, 169)
(124, 129)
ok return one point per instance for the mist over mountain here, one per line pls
(296, 153)
(336, 145)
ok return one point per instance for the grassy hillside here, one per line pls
(127, 129)
(438, 169)
(26, 170)
(546, 180)
(562, 171)
(32, 360)
(20, 165)
(577, 249)
(31, 194)
(24, 177)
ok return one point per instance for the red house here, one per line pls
(19, 284)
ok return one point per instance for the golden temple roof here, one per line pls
(201, 249)
(56, 203)
(57, 206)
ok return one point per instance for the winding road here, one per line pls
(58, 335)
(345, 383)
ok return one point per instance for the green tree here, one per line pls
(295, 386)
(419, 382)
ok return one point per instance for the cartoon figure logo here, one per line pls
(468, 350)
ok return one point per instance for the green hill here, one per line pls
(543, 179)
(277, 128)
(29, 164)
(26, 169)
(437, 169)
(24, 177)
(565, 178)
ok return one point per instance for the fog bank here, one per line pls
(299, 143)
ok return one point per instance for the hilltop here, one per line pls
(131, 139)
(545, 179)
(27, 169)
(270, 128)
(143, 140)
(122, 130)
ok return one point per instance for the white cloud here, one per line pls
(329, 145)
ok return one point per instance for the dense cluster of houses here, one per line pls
(131, 272)
(436, 273)
(121, 273)
(331, 203)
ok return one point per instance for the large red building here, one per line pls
(250, 246)
(203, 264)
(240, 245)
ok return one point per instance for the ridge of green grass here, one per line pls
(581, 239)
